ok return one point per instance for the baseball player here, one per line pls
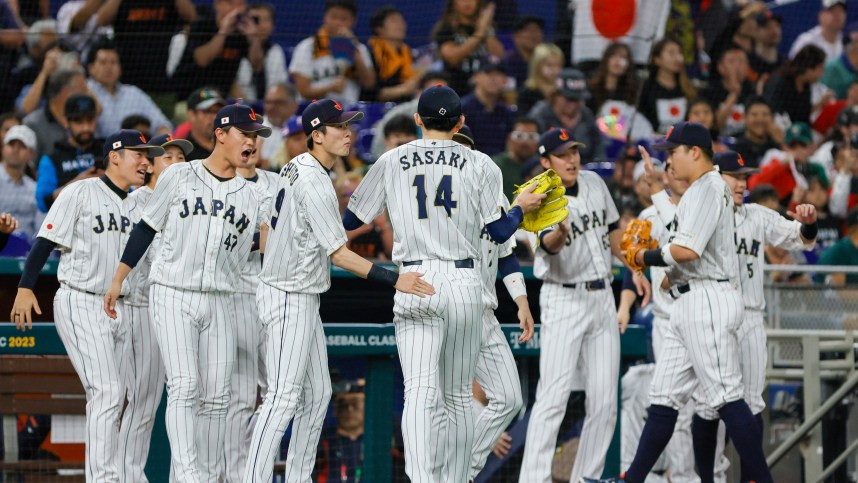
(145, 368)
(440, 196)
(496, 371)
(756, 227)
(578, 316)
(249, 370)
(700, 347)
(679, 453)
(307, 234)
(89, 224)
(207, 217)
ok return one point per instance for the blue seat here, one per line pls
(17, 246)
(364, 145)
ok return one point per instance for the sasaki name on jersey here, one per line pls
(429, 157)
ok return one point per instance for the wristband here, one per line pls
(809, 231)
(654, 258)
(377, 273)
(668, 257)
(515, 285)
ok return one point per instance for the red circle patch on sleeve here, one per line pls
(50, 226)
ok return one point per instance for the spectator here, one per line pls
(700, 111)
(333, 63)
(294, 143)
(32, 11)
(758, 137)
(203, 105)
(790, 93)
(566, 109)
(373, 240)
(398, 131)
(844, 191)
(728, 92)
(490, 119)
(280, 105)
(7, 120)
(49, 121)
(465, 35)
(622, 182)
(73, 157)
(41, 38)
(32, 95)
(844, 252)
(391, 56)
(615, 78)
(765, 195)
(528, 33)
(542, 78)
(766, 58)
(840, 73)
(216, 44)
(143, 29)
(521, 145)
(118, 100)
(17, 190)
(828, 35)
(428, 79)
(786, 169)
(137, 123)
(77, 22)
(642, 189)
(341, 454)
(8, 225)
(254, 83)
(829, 225)
(665, 94)
(11, 39)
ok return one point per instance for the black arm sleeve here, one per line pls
(138, 242)
(4, 239)
(35, 261)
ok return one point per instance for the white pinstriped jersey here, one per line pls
(661, 300)
(587, 253)
(206, 226)
(491, 251)
(138, 279)
(249, 278)
(439, 195)
(756, 227)
(305, 229)
(704, 223)
(90, 225)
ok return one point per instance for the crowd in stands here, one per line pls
(167, 66)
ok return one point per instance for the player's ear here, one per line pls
(545, 162)
(417, 120)
(460, 123)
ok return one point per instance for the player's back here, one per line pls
(437, 196)
(249, 278)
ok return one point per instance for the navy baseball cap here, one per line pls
(130, 139)
(326, 111)
(731, 162)
(439, 102)
(556, 140)
(241, 117)
(685, 134)
(78, 106)
(292, 126)
(464, 136)
(165, 140)
(204, 98)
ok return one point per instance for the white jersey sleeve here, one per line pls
(155, 213)
(666, 209)
(491, 253)
(490, 207)
(700, 214)
(780, 232)
(59, 223)
(320, 209)
(369, 198)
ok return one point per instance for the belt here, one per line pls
(466, 263)
(678, 290)
(591, 285)
(99, 295)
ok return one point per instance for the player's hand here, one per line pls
(528, 201)
(623, 317)
(8, 223)
(90, 172)
(804, 214)
(642, 286)
(525, 321)
(564, 227)
(411, 283)
(651, 176)
(110, 299)
(22, 309)
(503, 445)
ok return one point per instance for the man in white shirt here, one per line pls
(828, 35)
(119, 100)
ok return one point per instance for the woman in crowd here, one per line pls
(665, 94)
(545, 67)
(791, 92)
(615, 78)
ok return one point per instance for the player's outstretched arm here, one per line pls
(806, 215)
(409, 283)
(25, 300)
(513, 279)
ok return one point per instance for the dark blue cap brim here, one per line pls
(256, 127)
(182, 144)
(664, 145)
(349, 117)
(745, 170)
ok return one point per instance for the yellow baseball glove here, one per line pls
(637, 237)
(553, 208)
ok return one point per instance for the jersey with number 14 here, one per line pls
(439, 195)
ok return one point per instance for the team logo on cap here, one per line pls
(563, 135)
(338, 106)
(669, 131)
(442, 111)
(252, 114)
(143, 138)
(741, 161)
(117, 145)
(169, 137)
(224, 120)
(315, 122)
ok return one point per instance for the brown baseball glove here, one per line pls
(637, 237)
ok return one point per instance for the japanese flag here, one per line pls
(637, 23)
(670, 112)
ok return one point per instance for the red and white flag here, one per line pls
(637, 23)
